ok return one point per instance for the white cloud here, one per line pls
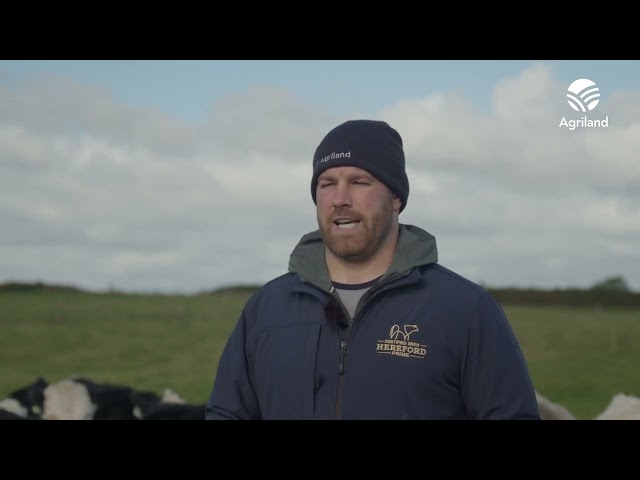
(101, 194)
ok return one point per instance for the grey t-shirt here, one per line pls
(350, 294)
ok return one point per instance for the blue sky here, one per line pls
(187, 87)
(191, 175)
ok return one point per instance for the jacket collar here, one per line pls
(416, 247)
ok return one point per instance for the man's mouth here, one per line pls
(346, 223)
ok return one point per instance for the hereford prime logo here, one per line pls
(399, 343)
(334, 155)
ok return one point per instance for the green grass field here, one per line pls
(578, 357)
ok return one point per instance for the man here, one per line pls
(366, 324)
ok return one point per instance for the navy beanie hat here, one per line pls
(371, 145)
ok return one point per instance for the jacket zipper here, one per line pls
(366, 298)
(341, 356)
(343, 352)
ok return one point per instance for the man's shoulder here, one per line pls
(277, 284)
(274, 288)
(273, 305)
(439, 276)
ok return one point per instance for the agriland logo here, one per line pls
(583, 95)
(335, 155)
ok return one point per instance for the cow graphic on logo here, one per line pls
(408, 330)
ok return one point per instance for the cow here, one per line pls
(552, 411)
(26, 403)
(621, 407)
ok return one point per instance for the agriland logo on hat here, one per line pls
(335, 155)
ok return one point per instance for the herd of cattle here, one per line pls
(83, 399)
(621, 407)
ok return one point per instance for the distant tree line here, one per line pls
(567, 297)
(612, 291)
(16, 287)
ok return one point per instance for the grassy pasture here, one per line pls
(578, 356)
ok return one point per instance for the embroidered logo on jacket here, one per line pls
(399, 344)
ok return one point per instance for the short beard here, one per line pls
(366, 245)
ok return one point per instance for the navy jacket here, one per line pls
(425, 343)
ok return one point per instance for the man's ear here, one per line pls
(397, 203)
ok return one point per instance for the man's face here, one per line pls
(355, 212)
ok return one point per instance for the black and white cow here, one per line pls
(26, 403)
(79, 398)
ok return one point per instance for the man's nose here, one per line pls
(342, 195)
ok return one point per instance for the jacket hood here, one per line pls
(416, 247)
